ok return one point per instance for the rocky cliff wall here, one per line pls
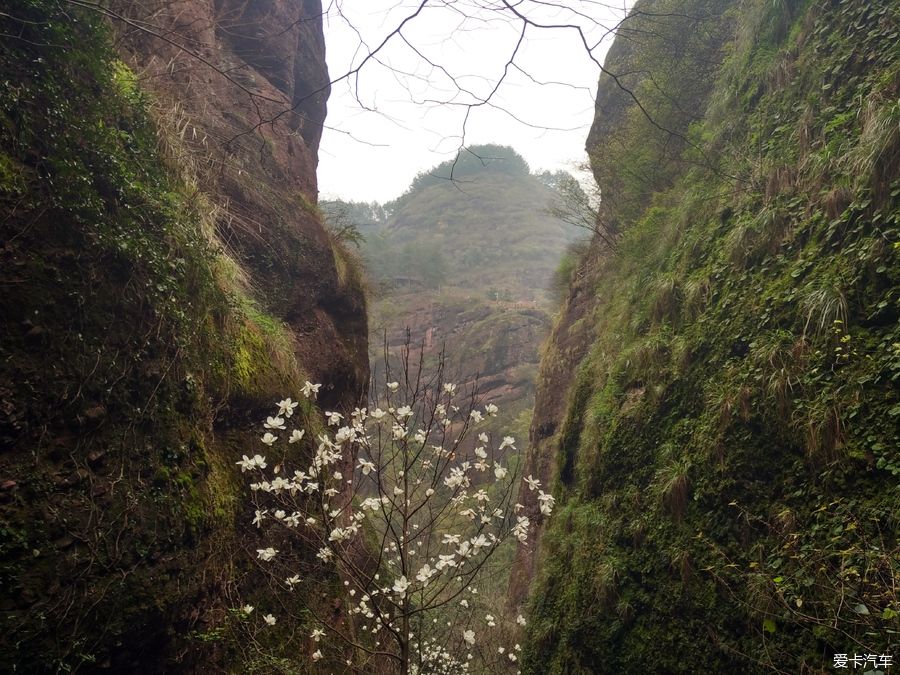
(245, 85)
(654, 85)
(165, 279)
(717, 408)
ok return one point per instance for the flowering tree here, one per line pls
(408, 501)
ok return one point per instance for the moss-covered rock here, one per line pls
(726, 460)
(134, 363)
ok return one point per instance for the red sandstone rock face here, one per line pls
(282, 41)
(255, 68)
(245, 85)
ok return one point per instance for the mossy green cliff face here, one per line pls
(725, 456)
(139, 345)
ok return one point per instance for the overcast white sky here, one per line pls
(404, 114)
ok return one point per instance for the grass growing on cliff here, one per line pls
(127, 334)
(732, 434)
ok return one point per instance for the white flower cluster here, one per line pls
(428, 495)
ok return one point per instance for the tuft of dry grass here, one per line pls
(696, 296)
(836, 200)
(876, 156)
(672, 484)
(825, 306)
(606, 582)
(824, 433)
(666, 299)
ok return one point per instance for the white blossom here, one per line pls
(400, 586)
(425, 574)
(286, 407)
(339, 534)
(446, 561)
(269, 619)
(371, 503)
(479, 542)
(520, 529)
(247, 463)
(296, 435)
(266, 554)
(274, 423)
(546, 502)
(344, 434)
(268, 438)
(533, 483)
(310, 390)
(456, 478)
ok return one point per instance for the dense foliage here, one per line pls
(130, 351)
(470, 163)
(485, 228)
(728, 464)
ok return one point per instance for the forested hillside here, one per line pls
(465, 259)
(726, 451)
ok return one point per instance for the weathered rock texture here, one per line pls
(246, 86)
